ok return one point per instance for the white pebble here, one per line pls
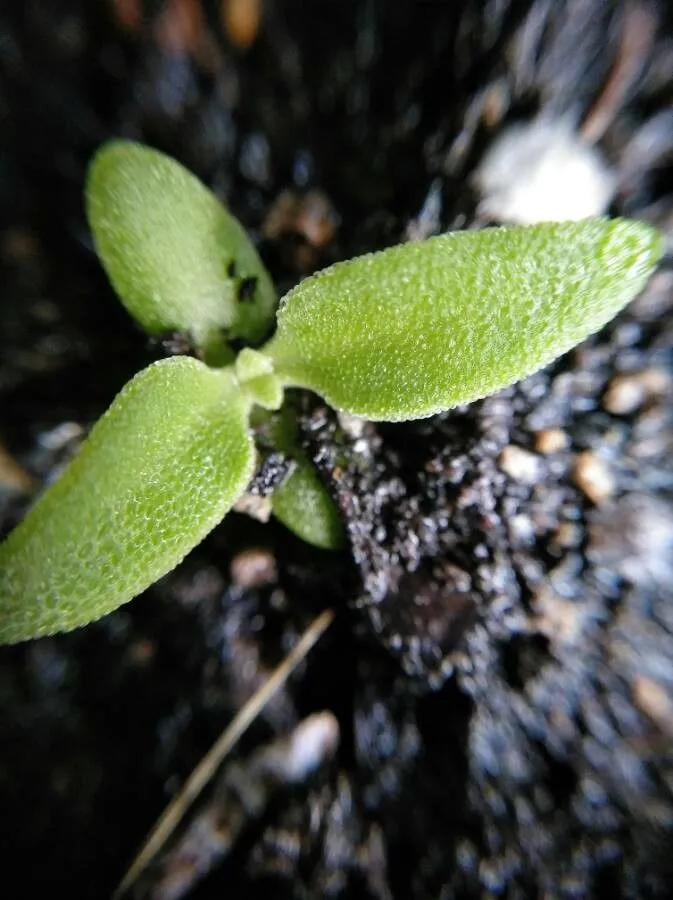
(593, 477)
(311, 743)
(520, 464)
(543, 172)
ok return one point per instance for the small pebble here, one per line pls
(254, 506)
(556, 617)
(521, 530)
(520, 464)
(310, 745)
(253, 568)
(310, 215)
(625, 394)
(568, 535)
(428, 221)
(654, 701)
(354, 426)
(12, 476)
(551, 440)
(142, 652)
(61, 435)
(593, 477)
(128, 13)
(241, 20)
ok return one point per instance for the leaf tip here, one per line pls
(634, 246)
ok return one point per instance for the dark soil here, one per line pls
(501, 664)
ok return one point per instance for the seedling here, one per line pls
(395, 335)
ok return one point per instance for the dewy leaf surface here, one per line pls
(157, 473)
(425, 326)
(178, 260)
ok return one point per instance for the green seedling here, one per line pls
(395, 335)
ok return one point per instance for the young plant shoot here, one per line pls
(395, 335)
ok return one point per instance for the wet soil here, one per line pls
(501, 663)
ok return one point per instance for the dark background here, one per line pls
(501, 665)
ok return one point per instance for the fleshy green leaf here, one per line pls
(425, 326)
(178, 260)
(302, 502)
(256, 377)
(158, 472)
(303, 505)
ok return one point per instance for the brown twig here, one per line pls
(638, 32)
(210, 763)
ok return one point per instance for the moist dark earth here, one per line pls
(501, 661)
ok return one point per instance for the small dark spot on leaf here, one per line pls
(247, 288)
(231, 269)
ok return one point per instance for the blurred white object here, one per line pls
(543, 172)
